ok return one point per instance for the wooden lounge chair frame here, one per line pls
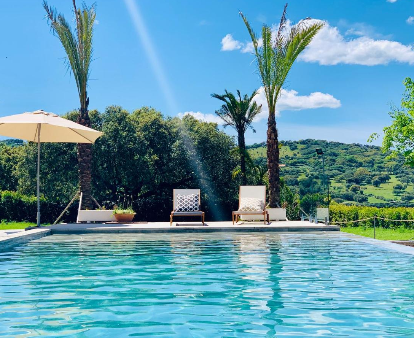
(186, 213)
(235, 215)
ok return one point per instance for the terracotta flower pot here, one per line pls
(124, 217)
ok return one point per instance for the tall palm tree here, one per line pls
(239, 113)
(78, 48)
(275, 56)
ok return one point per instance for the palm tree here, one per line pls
(275, 56)
(239, 113)
(78, 48)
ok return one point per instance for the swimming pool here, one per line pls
(209, 285)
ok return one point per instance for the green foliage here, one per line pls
(238, 112)
(276, 55)
(15, 206)
(124, 211)
(77, 43)
(399, 136)
(290, 201)
(142, 156)
(310, 202)
(355, 188)
(9, 159)
(348, 166)
(340, 213)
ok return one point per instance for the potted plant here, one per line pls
(124, 215)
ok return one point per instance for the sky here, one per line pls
(172, 55)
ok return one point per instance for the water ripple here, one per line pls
(205, 285)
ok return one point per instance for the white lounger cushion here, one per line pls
(251, 204)
(187, 203)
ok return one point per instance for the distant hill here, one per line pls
(12, 142)
(359, 174)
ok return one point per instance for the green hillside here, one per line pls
(12, 142)
(359, 174)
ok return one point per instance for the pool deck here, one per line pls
(9, 238)
(164, 227)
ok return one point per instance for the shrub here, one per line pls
(17, 207)
(355, 188)
(376, 182)
(339, 213)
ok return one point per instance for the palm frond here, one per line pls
(76, 43)
(237, 112)
(277, 54)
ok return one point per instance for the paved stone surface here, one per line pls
(281, 226)
(405, 243)
(9, 238)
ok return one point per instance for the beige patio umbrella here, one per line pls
(44, 127)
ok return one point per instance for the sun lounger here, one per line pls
(186, 202)
(252, 201)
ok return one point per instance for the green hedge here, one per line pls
(17, 207)
(339, 213)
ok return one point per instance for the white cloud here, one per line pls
(330, 47)
(229, 44)
(204, 117)
(361, 29)
(392, 1)
(96, 22)
(410, 20)
(290, 100)
(249, 48)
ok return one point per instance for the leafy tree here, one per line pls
(360, 198)
(290, 200)
(398, 188)
(361, 175)
(376, 181)
(310, 202)
(119, 163)
(59, 178)
(239, 113)
(409, 196)
(210, 160)
(399, 136)
(275, 57)
(141, 156)
(9, 158)
(78, 47)
(355, 188)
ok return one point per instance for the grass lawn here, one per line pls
(16, 225)
(401, 234)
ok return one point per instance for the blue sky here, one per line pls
(172, 55)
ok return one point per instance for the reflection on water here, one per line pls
(211, 285)
(254, 256)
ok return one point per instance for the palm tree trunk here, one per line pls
(273, 162)
(242, 150)
(85, 163)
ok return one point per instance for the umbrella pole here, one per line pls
(38, 174)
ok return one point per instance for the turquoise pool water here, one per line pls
(205, 285)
